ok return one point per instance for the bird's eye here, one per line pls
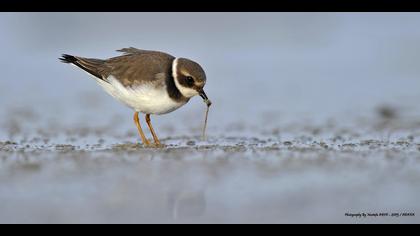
(190, 80)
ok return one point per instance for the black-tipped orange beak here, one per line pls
(205, 98)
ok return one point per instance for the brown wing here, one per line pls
(137, 66)
(132, 50)
(95, 67)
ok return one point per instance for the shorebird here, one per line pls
(149, 82)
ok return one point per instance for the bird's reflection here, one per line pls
(184, 204)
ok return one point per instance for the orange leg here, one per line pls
(148, 121)
(137, 121)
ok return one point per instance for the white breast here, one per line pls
(146, 98)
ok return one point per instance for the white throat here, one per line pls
(186, 92)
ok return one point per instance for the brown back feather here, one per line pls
(132, 68)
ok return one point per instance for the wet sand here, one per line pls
(314, 116)
(299, 173)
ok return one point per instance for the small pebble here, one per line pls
(191, 143)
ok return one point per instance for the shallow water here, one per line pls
(314, 115)
(303, 176)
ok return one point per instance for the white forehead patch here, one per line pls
(185, 91)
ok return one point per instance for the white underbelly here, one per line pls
(146, 98)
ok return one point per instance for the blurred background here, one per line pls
(314, 115)
(261, 67)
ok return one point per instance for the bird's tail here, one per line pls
(68, 58)
(94, 67)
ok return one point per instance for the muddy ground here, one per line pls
(314, 116)
(297, 173)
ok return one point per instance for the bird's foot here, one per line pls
(154, 145)
(159, 145)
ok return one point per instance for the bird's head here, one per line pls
(190, 78)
